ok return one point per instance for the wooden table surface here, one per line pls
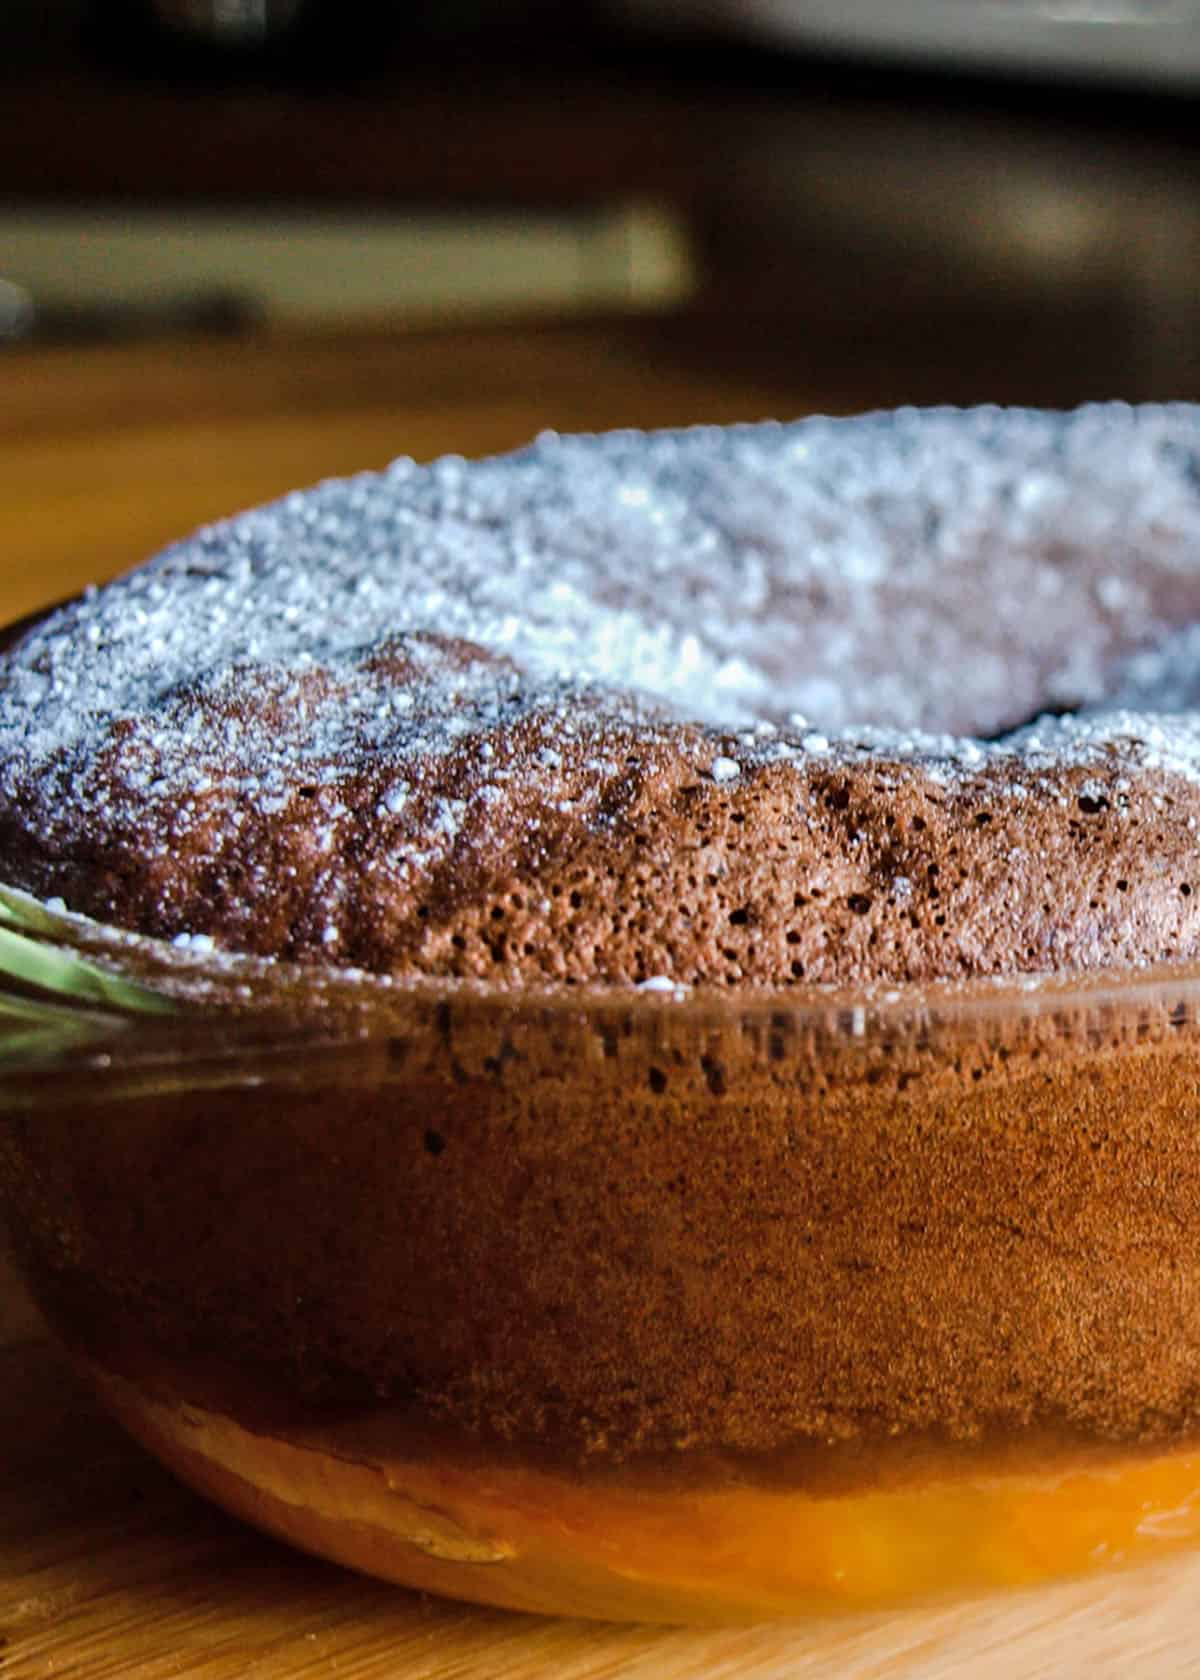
(109, 1568)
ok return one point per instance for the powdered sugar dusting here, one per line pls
(909, 588)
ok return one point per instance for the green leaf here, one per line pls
(56, 968)
(30, 1027)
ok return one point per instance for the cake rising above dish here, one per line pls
(902, 698)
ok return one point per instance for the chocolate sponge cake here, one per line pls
(683, 1098)
(761, 706)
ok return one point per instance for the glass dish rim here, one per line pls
(224, 1005)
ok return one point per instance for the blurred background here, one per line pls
(248, 243)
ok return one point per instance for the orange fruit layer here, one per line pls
(534, 1540)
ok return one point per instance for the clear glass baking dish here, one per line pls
(631, 1303)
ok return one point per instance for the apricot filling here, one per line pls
(551, 1542)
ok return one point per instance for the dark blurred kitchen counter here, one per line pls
(872, 233)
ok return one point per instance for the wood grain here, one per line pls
(110, 1569)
